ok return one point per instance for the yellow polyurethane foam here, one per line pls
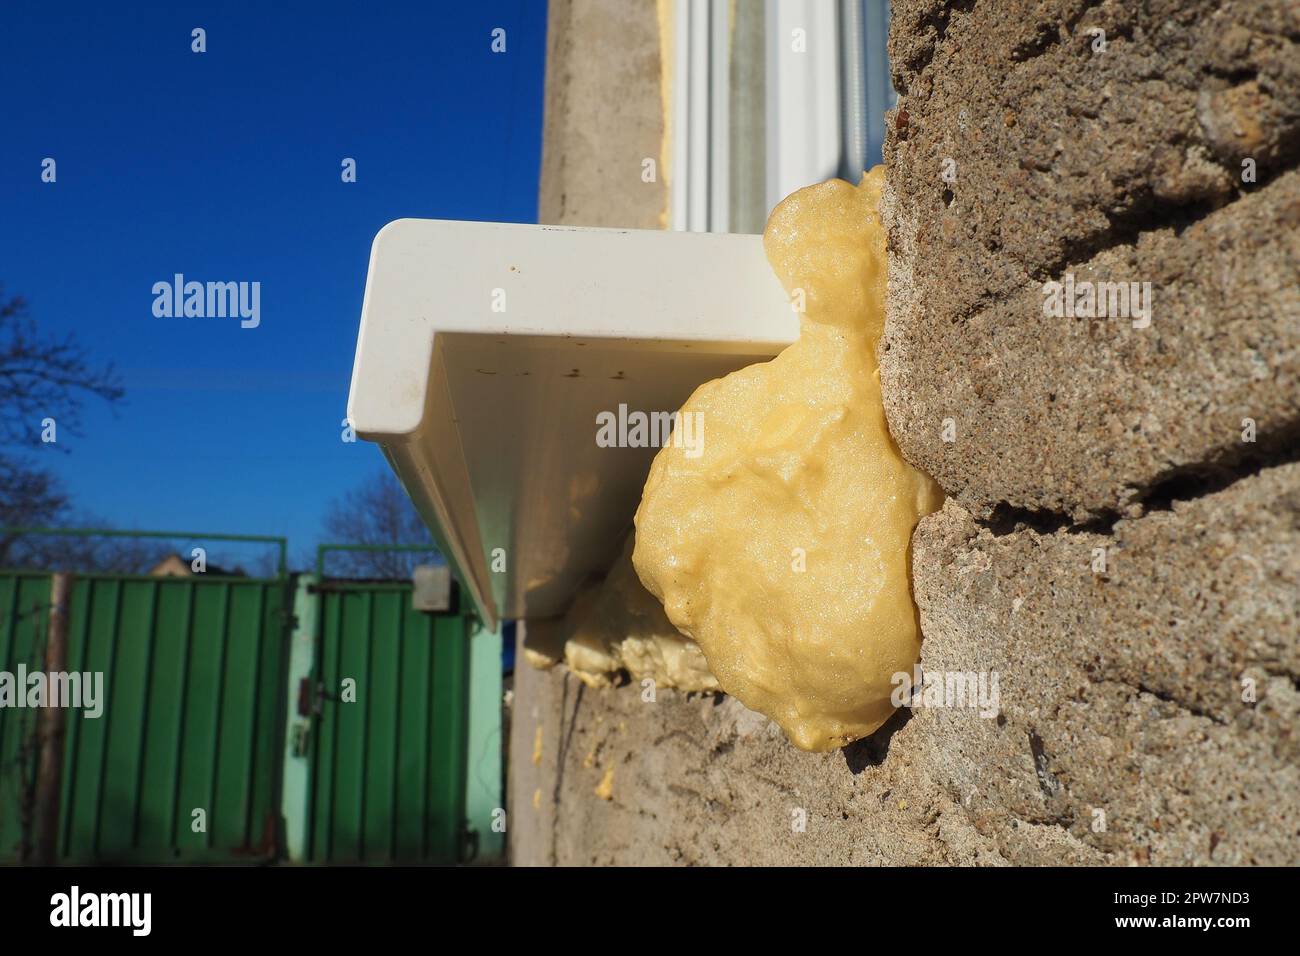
(783, 549)
(621, 626)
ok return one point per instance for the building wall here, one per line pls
(1124, 736)
(604, 115)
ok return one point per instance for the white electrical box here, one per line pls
(431, 587)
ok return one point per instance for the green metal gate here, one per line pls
(189, 759)
(183, 763)
(389, 744)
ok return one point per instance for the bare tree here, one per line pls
(27, 497)
(376, 513)
(41, 379)
(77, 553)
(44, 378)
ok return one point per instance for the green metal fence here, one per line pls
(389, 750)
(183, 762)
(187, 761)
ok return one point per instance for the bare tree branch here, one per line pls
(39, 379)
(44, 378)
(376, 513)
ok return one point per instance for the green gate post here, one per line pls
(484, 802)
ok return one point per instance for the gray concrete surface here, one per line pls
(603, 116)
(1114, 165)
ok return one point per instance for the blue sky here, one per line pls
(225, 166)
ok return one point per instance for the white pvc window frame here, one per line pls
(803, 95)
(826, 91)
(701, 191)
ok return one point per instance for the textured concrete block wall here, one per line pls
(1113, 549)
(1123, 539)
(1113, 163)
